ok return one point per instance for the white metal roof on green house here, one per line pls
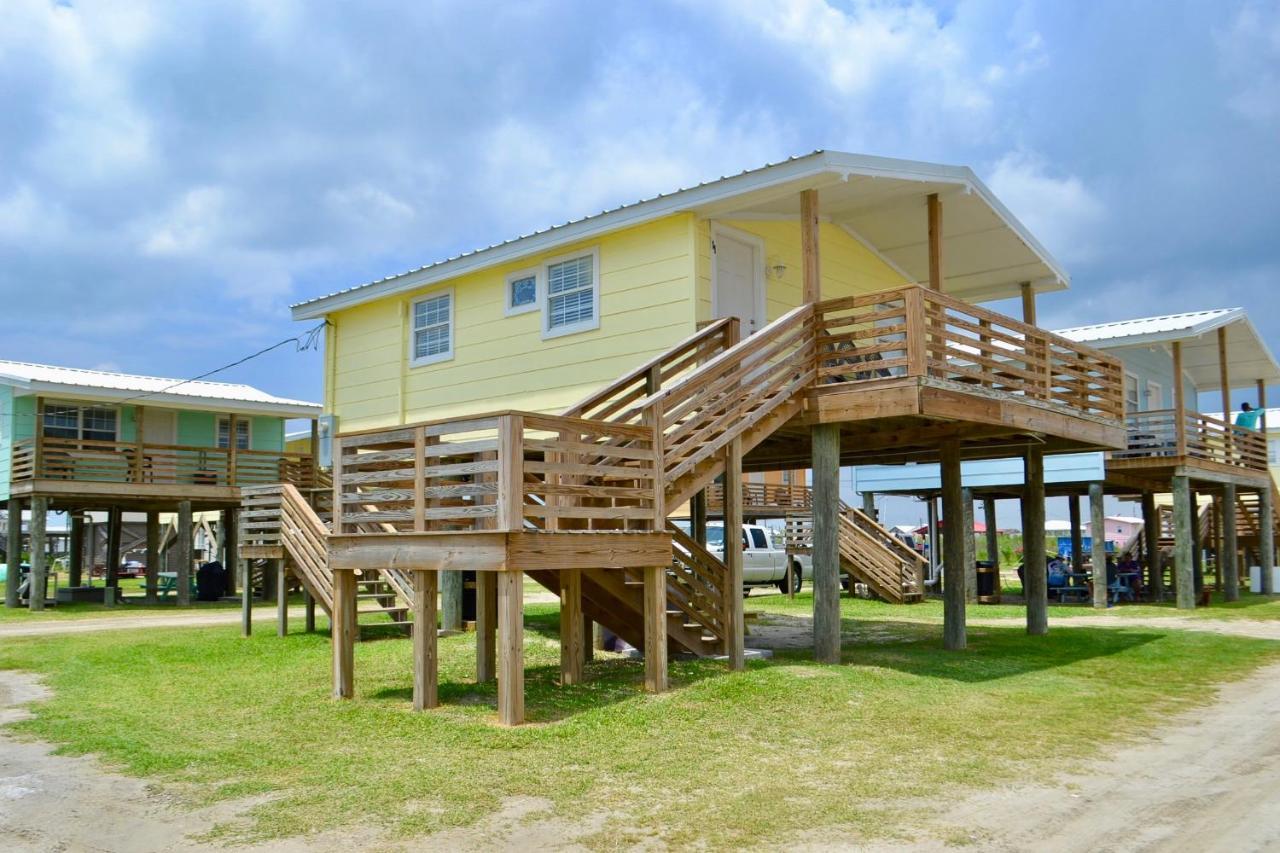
(772, 186)
(108, 386)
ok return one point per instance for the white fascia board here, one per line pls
(586, 229)
(15, 381)
(198, 404)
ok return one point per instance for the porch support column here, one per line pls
(342, 632)
(1179, 400)
(954, 551)
(39, 557)
(1077, 537)
(184, 553)
(1028, 303)
(825, 439)
(1224, 379)
(698, 517)
(230, 547)
(935, 250)
(114, 520)
(970, 549)
(1098, 540)
(1197, 543)
(934, 554)
(869, 504)
(76, 565)
(1035, 579)
(486, 626)
(1228, 558)
(810, 256)
(1184, 573)
(993, 537)
(571, 637)
(425, 656)
(13, 553)
(655, 628)
(153, 557)
(1151, 536)
(1267, 537)
(510, 647)
(451, 600)
(282, 597)
(735, 622)
(309, 611)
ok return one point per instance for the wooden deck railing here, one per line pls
(504, 471)
(144, 463)
(1160, 433)
(783, 497)
(917, 332)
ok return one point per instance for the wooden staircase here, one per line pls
(869, 554)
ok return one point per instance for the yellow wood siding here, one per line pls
(848, 267)
(646, 305)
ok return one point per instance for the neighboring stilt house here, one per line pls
(1212, 475)
(539, 406)
(74, 440)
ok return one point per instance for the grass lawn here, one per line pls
(133, 589)
(723, 760)
(1251, 607)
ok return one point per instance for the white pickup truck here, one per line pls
(763, 562)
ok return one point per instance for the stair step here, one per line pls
(383, 610)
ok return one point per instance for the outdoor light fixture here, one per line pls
(778, 268)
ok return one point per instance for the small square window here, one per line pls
(522, 291)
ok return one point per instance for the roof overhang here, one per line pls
(987, 253)
(1249, 359)
(59, 390)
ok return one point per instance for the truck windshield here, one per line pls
(715, 537)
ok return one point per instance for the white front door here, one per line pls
(737, 288)
(1155, 396)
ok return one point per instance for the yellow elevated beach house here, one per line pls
(541, 405)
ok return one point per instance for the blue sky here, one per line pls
(172, 176)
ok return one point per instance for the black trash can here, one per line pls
(468, 596)
(986, 579)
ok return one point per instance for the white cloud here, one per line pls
(1060, 210)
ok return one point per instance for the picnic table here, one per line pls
(169, 583)
(1077, 588)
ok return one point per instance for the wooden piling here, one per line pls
(1183, 544)
(571, 637)
(655, 629)
(1098, 543)
(510, 647)
(954, 573)
(1229, 558)
(825, 441)
(425, 653)
(1035, 579)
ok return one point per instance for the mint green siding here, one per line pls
(6, 438)
(197, 429)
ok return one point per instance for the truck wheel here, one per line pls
(797, 579)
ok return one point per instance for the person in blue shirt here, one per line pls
(1248, 417)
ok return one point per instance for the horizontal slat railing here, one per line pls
(156, 464)
(780, 496)
(1156, 433)
(493, 472)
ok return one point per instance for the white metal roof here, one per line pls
(1249, 359)
(987, 252)
(49, 380)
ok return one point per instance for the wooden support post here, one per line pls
(993, 537)
(75, 567)
(869, 504)
(232, 467)
(571, 638)
(1197, 543)
(451, 600)
(1028, 303)
(1180, 401)
(1267, 540)
(1151, 537)
(934, 206)
(185, 559)
(510, 647)
(810, 253)
(1262, 407)
(825, 441)
(13, 553)
(954, 552)
(486, 626)
(735, 619)
(342, 632)
(1077, 535)
(1224, 379)
(309, 611)
(114, 522)
(282, 597)
(1034, 570)
(934, 551)
(1183, 544)
(655, 628)
(1098, 542)
(230, 529)
(425, 654)
(970, 549)
(1217, 543)
(698, 517)
(246, 587)
(588, 639)
(153, 557)
(39, 553)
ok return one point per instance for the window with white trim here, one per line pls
(522, 292)
(224, 432)
(573, 296)
(431, 338)
(87, 423)
(1131, 399)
